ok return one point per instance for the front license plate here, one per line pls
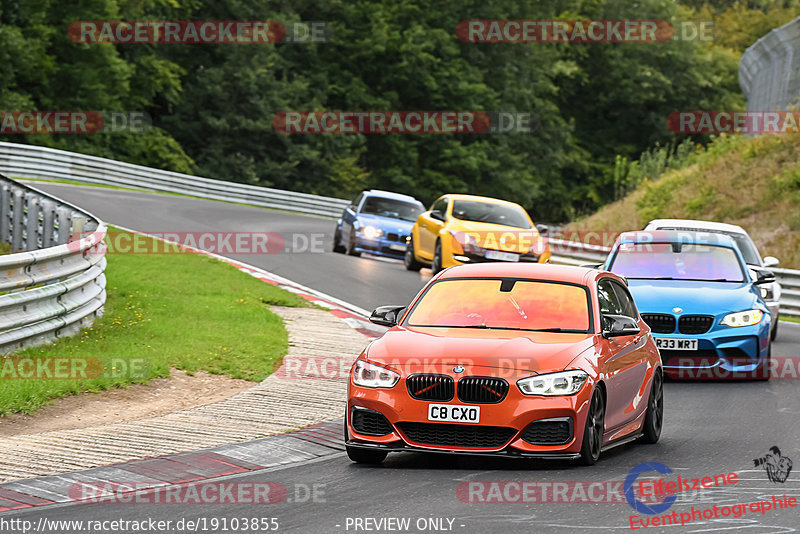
(669, 343)
(501, 256)
(397, 246)
(454, 414)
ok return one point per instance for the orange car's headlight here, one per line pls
(551, 384)
(369, 375)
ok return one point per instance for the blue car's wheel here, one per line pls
(337, 241)
(409, 260)
(351, 244)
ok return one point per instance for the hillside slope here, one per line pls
(752, 182)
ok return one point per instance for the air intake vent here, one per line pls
(370, 423)
(430, 387)
(660, 323)
(456, 435)
(695, 324)
(549, 432)
(481, 390)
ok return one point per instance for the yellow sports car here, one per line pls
(462, 229)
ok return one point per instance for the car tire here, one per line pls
(774, 332)
(337, 242)
(593, 431)
(436, 264)
(351, 244)
(763, 372)
(654, 419)
(365, 456)
(409, 260)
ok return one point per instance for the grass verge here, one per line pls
(750, 181)
(178, 310)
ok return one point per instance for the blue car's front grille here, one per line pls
(396, 237)
(660, 323)
(695, 324)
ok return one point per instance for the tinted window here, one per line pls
(357, 200)
(440, 205)
(494, 303)
(747, 248)
(676, 261)
(609, 302)
(625, 300)
(743, 242)
(472, 210)
(388, 207)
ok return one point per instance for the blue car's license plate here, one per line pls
(669, 343)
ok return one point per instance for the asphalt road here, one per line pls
(710, 428)
(366, 282)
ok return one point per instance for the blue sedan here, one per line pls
(377, 222)
(702, 303)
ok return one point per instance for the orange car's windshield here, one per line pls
(503, 304)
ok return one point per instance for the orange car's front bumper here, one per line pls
(503, 423)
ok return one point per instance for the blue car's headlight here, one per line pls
(743, 318)
(370, 232)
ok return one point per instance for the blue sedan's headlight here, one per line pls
(370, 232)
(743, 318)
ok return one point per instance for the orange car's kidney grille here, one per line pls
(456, 435)
(370, 423)
(660, 323)
(482, 390)
(695, 324)
(549, 432)
(430, 387)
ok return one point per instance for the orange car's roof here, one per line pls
(546, 271)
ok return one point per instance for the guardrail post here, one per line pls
(17, 219)
(5, 213)
(33, 225)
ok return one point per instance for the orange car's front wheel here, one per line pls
(593, 433)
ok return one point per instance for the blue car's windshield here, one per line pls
(387, 207)
(676, 261)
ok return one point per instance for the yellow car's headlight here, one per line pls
(743, 318)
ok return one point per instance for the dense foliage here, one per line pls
(212, 105)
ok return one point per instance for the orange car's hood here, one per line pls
(419, 348)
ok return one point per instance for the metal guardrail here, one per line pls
(53, 283)
(576, 253)
(29, 161)
(769, 71)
